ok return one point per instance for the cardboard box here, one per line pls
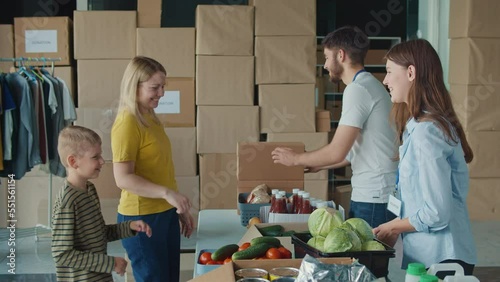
(67, 74)
(483, 200)
(375, 57)
(226, 271)
(177, 108)
(101, 121)
(486, 162)
(323, 121)
(287, 108)
(172, 47)
(149, 13)
(474, 18)
(295, 54)
(218, 181)
(312, 141)
(297, 17)
(183, 142)
(224, 80)
(190, 187)
(220, 128)
(335, 109)
(99, 83)
(48, 37)
(317, 188)
(477, 106)
(224, 30)
(253, 232)
(471, 61)
(105, 184)
(342, 196)
(105, 34)
(6, 46)
(255, 167)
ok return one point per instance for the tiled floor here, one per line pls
(34, 257)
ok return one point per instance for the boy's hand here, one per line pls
(120, 266)
(141, 226)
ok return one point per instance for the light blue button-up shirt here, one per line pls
(433, 186)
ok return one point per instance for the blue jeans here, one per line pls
(374, 214)
(155, 259)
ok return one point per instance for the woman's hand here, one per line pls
(186, 222)
(179, 201)
(387, 233)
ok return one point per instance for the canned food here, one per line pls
(250, 273)
(252, 280)
(284, 279)
(282, 272)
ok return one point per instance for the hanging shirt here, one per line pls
(68, 105)
(35, 149)
(7, 123)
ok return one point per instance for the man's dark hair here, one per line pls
(350, 39)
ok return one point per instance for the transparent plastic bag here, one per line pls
(313, 270)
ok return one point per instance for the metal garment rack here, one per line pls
(35, 231)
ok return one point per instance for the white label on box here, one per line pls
(170, 103)
(41, 41)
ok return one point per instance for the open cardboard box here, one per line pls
(253, 232)
(226, 271)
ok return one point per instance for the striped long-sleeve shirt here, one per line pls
(80, 236)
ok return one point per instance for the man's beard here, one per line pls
(336, 72)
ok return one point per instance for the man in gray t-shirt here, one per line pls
(364, 137)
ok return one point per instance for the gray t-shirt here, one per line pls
(367, 105)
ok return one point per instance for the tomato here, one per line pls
(212, 262)
(205, 258)
(285, 253)
(228, 260)
(273, 253)
(244, 246)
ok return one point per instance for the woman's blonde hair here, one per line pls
(139, 70)
(74, 140)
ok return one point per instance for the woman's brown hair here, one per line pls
(428, 98)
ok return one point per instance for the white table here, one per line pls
(217, 228)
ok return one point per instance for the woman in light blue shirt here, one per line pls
(433, 175)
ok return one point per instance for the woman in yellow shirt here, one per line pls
(143, 169)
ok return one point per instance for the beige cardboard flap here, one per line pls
(297, 17)
(295, 54)
(224, 30)
(287, 108)
(256, 164)
(149, 13)
(225, 80)
(220, 128)
(105, 34)
(470, 18)
(172, 47)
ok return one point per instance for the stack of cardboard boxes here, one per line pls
(475, 91)
(226, 113)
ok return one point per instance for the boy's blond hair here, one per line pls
(74, 140)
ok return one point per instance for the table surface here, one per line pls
(217, 228)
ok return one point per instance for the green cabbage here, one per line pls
(372, 246)
(323, 220)
(341, 240)
(317, 243)
(362, 228)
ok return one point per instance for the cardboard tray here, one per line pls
(376, 261)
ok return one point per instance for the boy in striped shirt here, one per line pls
(79, 234)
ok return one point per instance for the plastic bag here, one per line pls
(313, 270)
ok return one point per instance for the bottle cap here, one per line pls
(306, 195)
(295, 190)
(321, 205)
(274, 191)
(416, 268)
(428, 278)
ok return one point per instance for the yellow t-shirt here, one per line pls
(150, 149)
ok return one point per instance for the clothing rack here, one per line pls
(35, 231)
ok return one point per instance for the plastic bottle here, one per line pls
(414, 271)
(295, 199)
(273, 198)
(428, 278)
(305, 207)
(299, 202)
(457, 277)
(321, 205)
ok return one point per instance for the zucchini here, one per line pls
(272, 230)
(254, 251)
(224, 252)
(288, 233)
(267, 240)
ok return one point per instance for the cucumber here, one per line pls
(267, 240)
(251, 252)
(288, 233)
(224, 252)
(272, 230)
